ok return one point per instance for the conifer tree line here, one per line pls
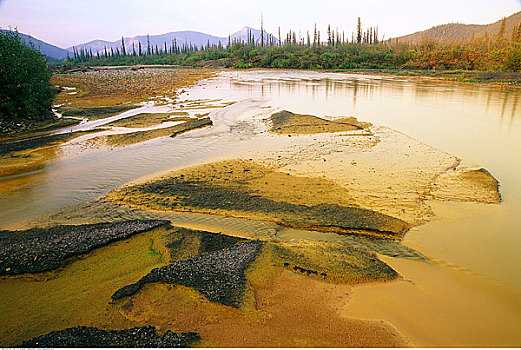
(366, 49)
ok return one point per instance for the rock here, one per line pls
(89, 337)
(37, 250)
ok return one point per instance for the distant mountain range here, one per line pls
(442, 33)
(181, 38)
(51, 51)
(457, 31)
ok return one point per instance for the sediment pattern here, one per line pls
(220, 275)
(37, 250)
(178, 193)
(91, 337)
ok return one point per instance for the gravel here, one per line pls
(37, 250)
(219, 275)
(89, 337)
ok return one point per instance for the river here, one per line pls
(469, 296)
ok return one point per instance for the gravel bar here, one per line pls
(91, 337)
(220, 275)
(37, 250)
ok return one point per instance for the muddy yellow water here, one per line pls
(423, 161)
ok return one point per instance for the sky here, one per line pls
(70, 22)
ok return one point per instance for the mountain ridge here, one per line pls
(452, 32)
(184, 37)
(49, 50)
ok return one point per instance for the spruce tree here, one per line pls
(123, 51)
(262, 31)
(500, 37)
(315, 36)
(359, 31)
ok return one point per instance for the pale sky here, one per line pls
(69, 22)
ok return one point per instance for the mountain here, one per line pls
(242, 35)
(51, 51)
(457, 31)
(182, 38)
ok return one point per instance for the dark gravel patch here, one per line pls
(37, 250)
(219, 275)
(91, 337)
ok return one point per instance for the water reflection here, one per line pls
(362, 90)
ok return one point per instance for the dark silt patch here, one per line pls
(43, 249)
(219, 275)
(126, 139)
(91, 337)
(176, 193)
(331, 262)
(190, 125)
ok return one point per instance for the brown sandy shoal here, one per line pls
(464, 183)
(286, 122)
(384, 170)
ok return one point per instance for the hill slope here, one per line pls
(48, 50)
(457, 31)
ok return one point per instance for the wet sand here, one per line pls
(440, 307)
(383, 176)
(246, 189)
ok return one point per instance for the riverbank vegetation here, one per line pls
(494, 52)
(26, 94)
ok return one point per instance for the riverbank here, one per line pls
(460, 76)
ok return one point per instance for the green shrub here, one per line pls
(25, 91)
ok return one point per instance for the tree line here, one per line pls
(364, 50)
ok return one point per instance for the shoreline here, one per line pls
(492, 78)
